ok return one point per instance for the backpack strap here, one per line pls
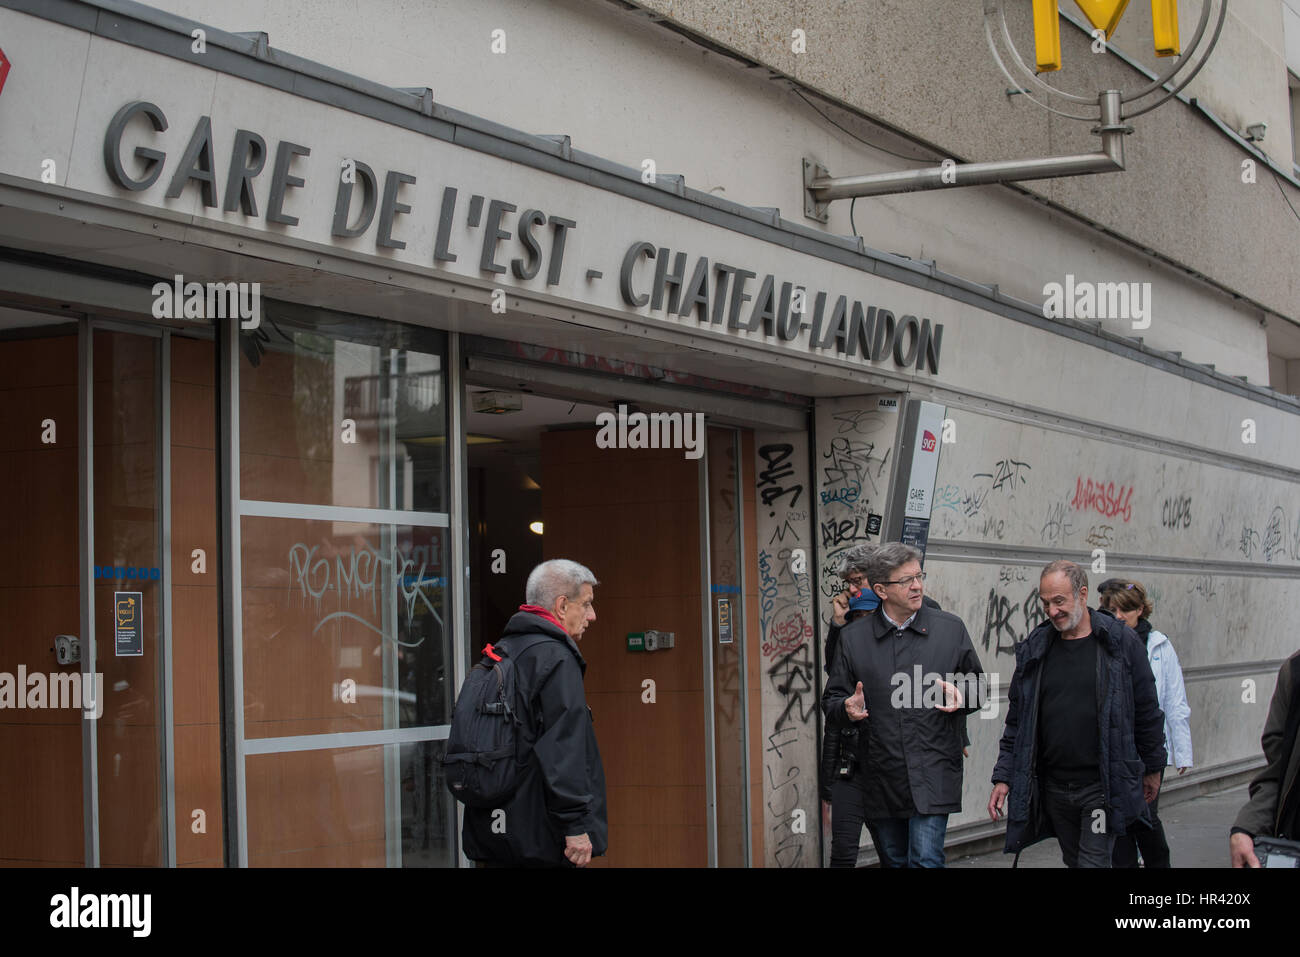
(515, 648)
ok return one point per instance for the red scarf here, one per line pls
(543, 613)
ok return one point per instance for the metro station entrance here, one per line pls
(345, 467)
(665, 533)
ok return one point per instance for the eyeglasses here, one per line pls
(857, 578)
(906, 582)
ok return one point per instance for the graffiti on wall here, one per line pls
(851, 481)
(790, 691)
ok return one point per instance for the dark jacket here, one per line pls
(911, 752)
(830, 764)
(1275, 791)
(562, 787)
(1131, 736)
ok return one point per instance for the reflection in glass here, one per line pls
(329, 808)
(326, 603)
(127, 551)
(359, 421)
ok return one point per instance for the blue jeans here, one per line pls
(915, 841)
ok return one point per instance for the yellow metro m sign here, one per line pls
(1104, 15)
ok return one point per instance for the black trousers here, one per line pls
(1151, 842)
(1078, 814)
(848, 814)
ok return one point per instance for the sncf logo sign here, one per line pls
(4, 70)
(927, 441)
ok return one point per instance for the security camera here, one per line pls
(1255, 132)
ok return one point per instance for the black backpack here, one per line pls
(482, 761)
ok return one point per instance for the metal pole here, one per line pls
(825, 189)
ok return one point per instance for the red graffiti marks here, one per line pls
(786, 636)
(1104, 498)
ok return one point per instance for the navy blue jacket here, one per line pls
(562, 788)
(1131, 731)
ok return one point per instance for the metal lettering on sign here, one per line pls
(128, 624)
(724, 621)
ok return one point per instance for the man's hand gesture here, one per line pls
(840, 608)
(855, 706)
(952, 696)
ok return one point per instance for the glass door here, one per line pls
(83, 704)
(126, 546)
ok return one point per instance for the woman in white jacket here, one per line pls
(1127, 601)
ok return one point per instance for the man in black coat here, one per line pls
(557, 813)
(1274, 806)
(915, 670)
(1084, 745)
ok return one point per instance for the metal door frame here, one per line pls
(709, 635)
(87, 326)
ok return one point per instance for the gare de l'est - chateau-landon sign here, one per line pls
(670, 283)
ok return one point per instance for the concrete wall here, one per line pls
(895, 61)
(631, 91)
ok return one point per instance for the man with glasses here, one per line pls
(905, 677)
(852, 571)
(1084, 745)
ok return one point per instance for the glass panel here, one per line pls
(357, 421)
(128, 595)
(327, 603)
(328, 808)
(40, 594)
(344, 621)
(728, 646)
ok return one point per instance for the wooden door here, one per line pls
(633, 518)
(40, 597)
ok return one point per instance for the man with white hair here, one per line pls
(557, 813)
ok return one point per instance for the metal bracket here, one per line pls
(261, 43)
(814, 208)
(424, 93)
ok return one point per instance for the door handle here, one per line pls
(67, 649)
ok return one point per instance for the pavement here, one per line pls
(1196, 828)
